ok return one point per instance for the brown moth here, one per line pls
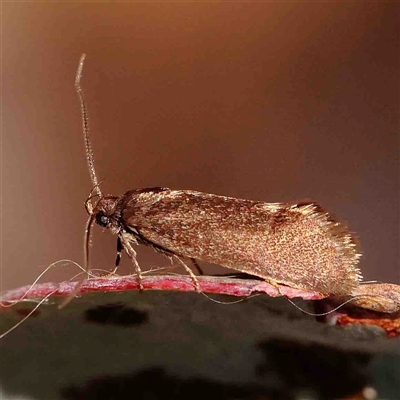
(296, 244)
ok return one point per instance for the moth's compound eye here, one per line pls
(102, 220)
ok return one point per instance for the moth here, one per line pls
(297, 244)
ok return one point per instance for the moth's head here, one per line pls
(105, 212)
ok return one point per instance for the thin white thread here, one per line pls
(331, 311)
(11, 303)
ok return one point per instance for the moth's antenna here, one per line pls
(85, 126)
(93, 177)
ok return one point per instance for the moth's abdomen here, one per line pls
(295, 244)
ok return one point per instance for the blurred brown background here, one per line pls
(267, 101)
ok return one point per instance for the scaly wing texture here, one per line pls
(299, 245)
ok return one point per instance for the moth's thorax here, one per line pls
(107, 214)
(109, 210)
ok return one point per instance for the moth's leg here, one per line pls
(197, 266)
(126, 244)
(120, 247)
(190, 272)
(275, 284)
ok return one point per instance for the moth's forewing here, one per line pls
(295, 244)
